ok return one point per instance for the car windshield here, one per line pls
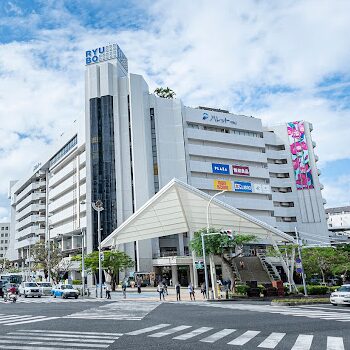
(67, 286)
(45, 284)
(31, 284)
(344, 289)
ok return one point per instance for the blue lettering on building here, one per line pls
(216, 119)
(240, 186)
(220, 168)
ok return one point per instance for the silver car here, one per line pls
(29, 289)
(341, 295)
(45, 288)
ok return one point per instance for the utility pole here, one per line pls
(83, 259)
(301, 261)
(98, 206)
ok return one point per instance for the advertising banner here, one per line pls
(223, 185)
(240, 186)
(300, 155)
(220, 168)
(240, 170)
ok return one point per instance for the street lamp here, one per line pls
(203, 245)
(98, 206)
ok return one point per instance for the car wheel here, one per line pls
(39, 296)
(334, 304)
(76, 297)
(25, 295)
(54, 295)
(32, 296)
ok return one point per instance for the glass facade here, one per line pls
(63, 151)
(103, 165)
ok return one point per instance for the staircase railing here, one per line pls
(274, 274)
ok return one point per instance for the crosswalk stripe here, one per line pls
(11, 317)
(303, 342)
(335, 343)
(194, 333)
(19, 319)
(70, 332)
(58, 343)
(75, 336)
(218, 335)
(23, 347)
(43, 318)
(148, 329)
(244, 338)
(169, 331)
(60, 338)
(272, 340)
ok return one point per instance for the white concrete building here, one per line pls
(132, 143)
(338, 220)
(4, 240)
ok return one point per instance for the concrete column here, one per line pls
(213, 276)
(174, 274)
(181, 250)
(191, 274)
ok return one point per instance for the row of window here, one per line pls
(4, 228)
(63, 151)
(225, 130)
(4, 241)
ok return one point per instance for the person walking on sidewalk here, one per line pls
(108, 291)
(139, 283)
(124, 289)
(177, 290)
(191, 291)
(204, 290)
(160, 290)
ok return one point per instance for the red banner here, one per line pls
(240, 170)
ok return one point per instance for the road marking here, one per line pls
(193, 333)
(20, 318)
(335, 343)
(60, 338)
(218, 335)
(43, 318)
(75, 336)
(148, 329)
(169, 331)
(303, 342)
(272, 340)
(65, 332)
(244, 338)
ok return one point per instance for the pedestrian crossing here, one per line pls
(56, 340)
(343, 315)
(54, 300)
(240, 338)
(120, 311)
(13, 320)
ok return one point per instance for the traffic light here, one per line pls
(228, 233)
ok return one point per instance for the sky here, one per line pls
(276, 60)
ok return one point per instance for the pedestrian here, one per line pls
(139, 286)
(108, 291)
(204, 290)
(191, 291)
(124, 289)
(177, 289)
(160, 290)
(165, 288)
(241, 264)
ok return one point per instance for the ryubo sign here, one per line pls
(220, 168)
(101, 54)
(240, 186)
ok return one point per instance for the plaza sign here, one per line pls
(217, 119)
(220, 168)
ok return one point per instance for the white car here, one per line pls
(341, 295)
(65, 291)
(45, 288)
(29, 289)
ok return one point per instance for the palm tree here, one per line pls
(164, 92)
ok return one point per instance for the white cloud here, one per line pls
(223, 53)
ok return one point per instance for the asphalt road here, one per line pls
(169, 325)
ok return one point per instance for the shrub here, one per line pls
(76, 282)
(242, 289)
(315, 290)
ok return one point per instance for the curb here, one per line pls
(297, 303)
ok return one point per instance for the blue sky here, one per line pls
(279, 61)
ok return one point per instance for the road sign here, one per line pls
(102, 256)
(298, 265)
(199, 265)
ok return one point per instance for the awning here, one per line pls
(179, 207)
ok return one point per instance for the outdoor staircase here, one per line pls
(253, 269)
(269, 268)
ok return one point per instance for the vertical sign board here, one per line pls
(240, 186)
(240, 170)
(300, 155)
(223, 185)
(220, 168)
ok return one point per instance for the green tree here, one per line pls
(113, 262)
(164, 92)
(325, 261)
(220, 245)
(57, 264)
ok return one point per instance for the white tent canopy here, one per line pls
(179, 207)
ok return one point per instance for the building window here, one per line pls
(64, 150)
(154, 151)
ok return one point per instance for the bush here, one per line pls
(314, 290)
(76, 282)
(242, 289)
